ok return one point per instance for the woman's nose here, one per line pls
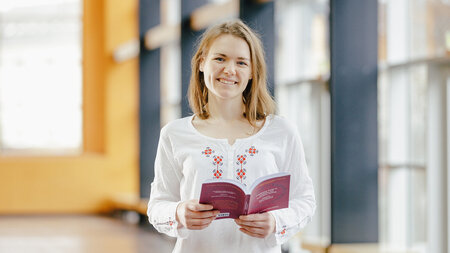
(230, 69)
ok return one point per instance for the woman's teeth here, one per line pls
(226, 81)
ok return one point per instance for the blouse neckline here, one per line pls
(237, 140)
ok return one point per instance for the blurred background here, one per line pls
(85, 87)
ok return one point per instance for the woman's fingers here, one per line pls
(257, 225)
(199, 222)
(193, 215)
(202, 215)
(252, 233)
(255, 217)
(254, 230)
(251, 223)
(199, 211)
(195, 206)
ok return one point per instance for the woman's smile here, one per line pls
(226, 81)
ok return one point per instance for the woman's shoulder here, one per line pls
(282, 123)
(176, 126)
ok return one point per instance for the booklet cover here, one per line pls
(232, 199)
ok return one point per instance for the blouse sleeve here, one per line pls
(165, 190)
(302, 202)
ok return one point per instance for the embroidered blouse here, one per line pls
(186, 158)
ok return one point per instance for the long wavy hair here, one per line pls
(257, 101)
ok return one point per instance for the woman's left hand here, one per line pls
(257, 225)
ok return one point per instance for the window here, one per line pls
(302, 69)
(40, 76)
(170, 65)
(414, 64)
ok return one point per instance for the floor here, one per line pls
(98, 234)
(78, 234)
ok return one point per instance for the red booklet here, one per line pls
(232, 199)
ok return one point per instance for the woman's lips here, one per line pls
(226, 81)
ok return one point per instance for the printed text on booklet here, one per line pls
(232, 199)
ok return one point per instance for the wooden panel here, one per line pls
(94, 74)
(131, 202)
(109, 165)
(209, 14)
(161, 35)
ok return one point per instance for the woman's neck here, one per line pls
(225, 110)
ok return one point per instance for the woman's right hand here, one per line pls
(195, 216)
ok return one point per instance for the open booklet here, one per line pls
(232, 199)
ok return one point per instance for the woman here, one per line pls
(233, 134)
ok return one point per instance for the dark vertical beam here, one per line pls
(149, 95)
(188, 43)
(260, 17)
(354, 140)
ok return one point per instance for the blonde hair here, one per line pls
(256, 98)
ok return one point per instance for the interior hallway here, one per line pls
(78, 234)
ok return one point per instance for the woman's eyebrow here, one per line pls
(224, 55)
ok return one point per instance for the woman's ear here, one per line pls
(202, 63)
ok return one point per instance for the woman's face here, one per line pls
(227, 67)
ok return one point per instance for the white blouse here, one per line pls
(186, 158)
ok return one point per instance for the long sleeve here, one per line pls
(301, 202)
(165, 190)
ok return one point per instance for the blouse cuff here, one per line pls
(280, 235)
(168, 223)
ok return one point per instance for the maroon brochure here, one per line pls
(232, 199)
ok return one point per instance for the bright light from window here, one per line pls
(40, 76)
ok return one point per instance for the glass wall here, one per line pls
(414, 49)
(413, 56)
(302, 68)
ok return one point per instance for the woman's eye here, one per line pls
(242, 63)
(220, 59)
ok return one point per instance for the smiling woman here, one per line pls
(233, 124)
(224, 69)
(256, 99)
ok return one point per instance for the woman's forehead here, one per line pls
(231, 46)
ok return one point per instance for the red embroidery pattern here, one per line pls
(252, 151)
(283, 232)
(241, 161)
(208, 151)
(170, 223)
(218, 162)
